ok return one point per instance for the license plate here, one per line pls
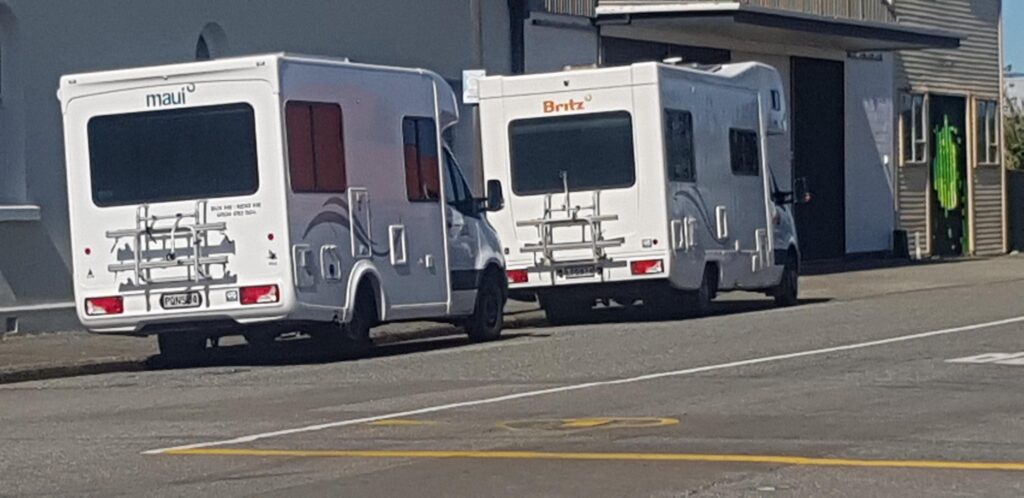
(181, 300)
(585, 271)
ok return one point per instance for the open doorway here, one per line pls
(948, 175)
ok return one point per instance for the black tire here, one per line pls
(787, 293)
(488, 316)
(565, 310)
(698, 302)
(355, 335)
(181, 347)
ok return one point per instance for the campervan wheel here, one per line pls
(488, 316)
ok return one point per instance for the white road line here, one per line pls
(589, 385)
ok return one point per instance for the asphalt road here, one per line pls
(833, 398)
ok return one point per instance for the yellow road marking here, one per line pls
(635, 457)
(401, 422)
(585, 423)
(564, 424)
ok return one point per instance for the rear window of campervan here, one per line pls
(180, 154)
(594, 152)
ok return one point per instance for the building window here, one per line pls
(915, 129)
(422, 170)
(679, 146)
(316, 147)
(743, 152)
(988, 133)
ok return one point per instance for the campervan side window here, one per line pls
(316, 147)
(172, 155)
(679, 146)
(422, 172)
(595, 151)
(743, 152)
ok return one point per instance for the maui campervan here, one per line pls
(648, 182)
(271, 194)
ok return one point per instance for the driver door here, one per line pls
(463, 232)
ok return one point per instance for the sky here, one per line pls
(1013, 31)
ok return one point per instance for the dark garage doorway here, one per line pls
(819, 155)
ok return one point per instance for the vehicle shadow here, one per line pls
(642, 314)
(306, 351)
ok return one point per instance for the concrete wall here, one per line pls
(553, 42)
(870, 155)
(42, 39)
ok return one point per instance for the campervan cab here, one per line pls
(269, 194)
(648, 183)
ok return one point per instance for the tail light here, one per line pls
(518, 276)
(102, 306)
(647, 267)
(262, 294)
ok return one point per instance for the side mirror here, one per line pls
(495, 196)
(801, 192)
(782, 198)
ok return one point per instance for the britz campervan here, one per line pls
(644, 183)
(267, 194)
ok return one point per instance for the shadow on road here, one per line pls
(302, 350)
(306, 351)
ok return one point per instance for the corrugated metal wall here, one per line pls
(973, 67)
(973, 70)
(913, 205)
(863, 10)
(586, 8)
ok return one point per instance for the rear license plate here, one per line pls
(181, 300)
(585, 271)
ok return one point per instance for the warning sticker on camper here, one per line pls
(238, 210)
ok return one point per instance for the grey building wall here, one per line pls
(43, 39)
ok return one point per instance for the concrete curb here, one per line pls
(30, 373)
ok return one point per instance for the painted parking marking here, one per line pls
(1012, 359)
(591, 385)
(401, 422)
(609, 457)
(576, 424)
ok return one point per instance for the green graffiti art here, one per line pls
(945, 169)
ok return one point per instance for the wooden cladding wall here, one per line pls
(988, 210)
(913, 205)
(972, 68)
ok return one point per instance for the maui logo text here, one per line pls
(550, 106)
(170, 98)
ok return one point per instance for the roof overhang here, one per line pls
(759, 24)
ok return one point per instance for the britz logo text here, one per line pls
(550, 106)
(170, 98)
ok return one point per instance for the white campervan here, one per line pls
(271, 194)
(645, 183)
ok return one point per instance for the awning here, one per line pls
(777, 26)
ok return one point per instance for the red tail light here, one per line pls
(648, 267)
(518, 276)
(101, 306)
(262, 294)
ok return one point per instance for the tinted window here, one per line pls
(316, 148)
(594, 150)
(679, 146)
(743, 151)
(457, 190)
(159, 156)
(422, 176)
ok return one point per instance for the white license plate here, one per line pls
(585, 271)
(181, 300)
